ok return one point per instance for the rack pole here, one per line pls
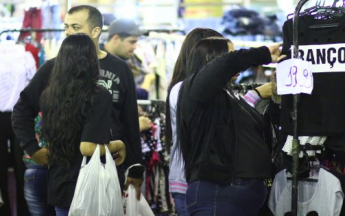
(295, 142)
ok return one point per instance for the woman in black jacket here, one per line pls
(221, 136)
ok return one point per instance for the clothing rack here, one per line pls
(295, 141)
(103, 30)
(157, 107)
(151, 102)
(245, 87)
(31, 30)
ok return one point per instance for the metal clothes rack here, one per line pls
(31, 30)
(245, 87)
(156, 107)
(103, 30)
(295, 141)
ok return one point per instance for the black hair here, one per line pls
(179, 73)
(203, 52)
(95, 18)
(68, 97)
(191, 39)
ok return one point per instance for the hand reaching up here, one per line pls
(275, 52)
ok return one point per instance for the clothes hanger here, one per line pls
(321, 12)
(308, 165)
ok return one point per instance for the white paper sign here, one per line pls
(324, 58)
(294, 76)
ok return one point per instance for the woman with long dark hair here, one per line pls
(177, 179)
(221, 135)
(76, 115)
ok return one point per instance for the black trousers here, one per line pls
(11, 157)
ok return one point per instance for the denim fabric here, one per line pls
(180, 204)
(35, 191)
(243, 198)
(60, 211)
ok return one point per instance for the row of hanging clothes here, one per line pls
(321, 128)
(156, 160)
(154, 60)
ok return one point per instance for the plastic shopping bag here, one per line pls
(98, 190)
(135, 207)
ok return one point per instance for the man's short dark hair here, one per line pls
(95, 18)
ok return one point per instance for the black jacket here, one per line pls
(208, 120)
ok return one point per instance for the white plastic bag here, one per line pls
(98, 190)
(135, 207)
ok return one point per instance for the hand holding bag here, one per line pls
(135, 207)
(98, 190)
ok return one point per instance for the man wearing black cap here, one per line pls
(123, 38)
(122, 41)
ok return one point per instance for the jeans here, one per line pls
(243, 198)
(180, 204)
(61, 211)
(35, 190)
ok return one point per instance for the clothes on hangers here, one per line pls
(15, 73)
(156, 191)
(322, 112)
(325, 196)
(312, 140)
(32, 19)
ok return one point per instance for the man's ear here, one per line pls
(115, 38)
(96, 32)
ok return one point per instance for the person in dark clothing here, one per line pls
(76, 114)
(115, 76)
(123, 36)
(221, 135)
(177, 179)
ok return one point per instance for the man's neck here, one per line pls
(107, 48)
(100, 53)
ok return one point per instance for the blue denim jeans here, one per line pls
(243, 198)
(180, 204)
(35, 190)
(60, 211)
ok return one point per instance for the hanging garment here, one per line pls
(325, 197)
(32, 19)
(15, 74)
(322, 112)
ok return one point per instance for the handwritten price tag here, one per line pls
(294, 76)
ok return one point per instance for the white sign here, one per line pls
(324, 58)
(294, 76)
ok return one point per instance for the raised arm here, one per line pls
(216, 74)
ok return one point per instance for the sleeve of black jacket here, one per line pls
(212, 78)
(27, 108)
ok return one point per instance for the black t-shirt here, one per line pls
(96, 128)
(116, 77)
(322, 112)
